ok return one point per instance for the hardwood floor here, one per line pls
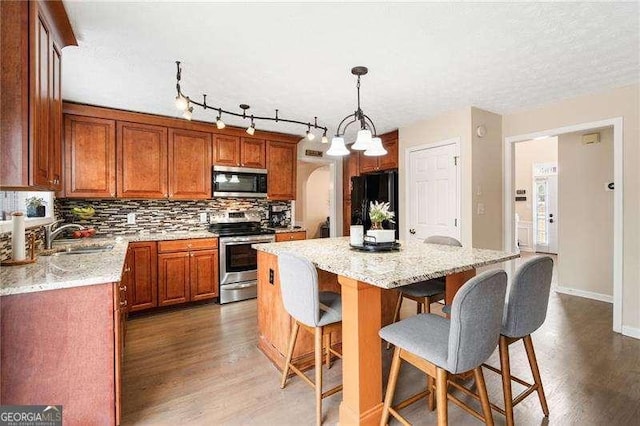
(201, 366)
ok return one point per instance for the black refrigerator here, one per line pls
(374, 187)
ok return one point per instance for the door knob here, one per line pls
(550, 220)
(412, 231)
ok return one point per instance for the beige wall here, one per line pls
(619, 102)
(455, 124)
(585, 213)
(486, 179)
(304, 170)
(526, 155)
(317, 202)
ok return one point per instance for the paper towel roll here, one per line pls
(356, 235)
(17, 236)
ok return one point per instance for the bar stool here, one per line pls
(318, 312)
(524, 313)
(425, 292)
(441, 347)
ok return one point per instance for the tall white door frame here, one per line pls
(407, 174)
(618, 177)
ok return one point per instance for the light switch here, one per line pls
(131, 219)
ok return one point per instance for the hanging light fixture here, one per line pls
(375, 149)
(184, 103)
(367, 132)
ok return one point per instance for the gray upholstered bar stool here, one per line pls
(524, 313)
(318, 312)
(425, 293)
(441, 347)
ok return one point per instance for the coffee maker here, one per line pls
(279, 216)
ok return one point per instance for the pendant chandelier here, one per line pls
(367, 139)
(185, 103)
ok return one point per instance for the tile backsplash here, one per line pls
(110, 216)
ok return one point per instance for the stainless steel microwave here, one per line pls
(239, 182)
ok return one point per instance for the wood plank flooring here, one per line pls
(201, 366)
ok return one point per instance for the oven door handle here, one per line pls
(234, 242)
(238, 286)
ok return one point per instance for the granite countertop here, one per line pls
(64, 271)
(414, 262)
(287, 229)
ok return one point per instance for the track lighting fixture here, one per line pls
(183, 103)
(252, 128)
(324, 137)
(367, 139)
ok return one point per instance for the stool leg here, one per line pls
(427, 305)
(318, 366)
(327, 346)
(505, 370)
(431, 398)
(396, 314)
(292, 344)
(533, 363)
(418, 308)
(391, 386)
(484, 397)
(441, 396)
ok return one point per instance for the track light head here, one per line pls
(181, 102)
(187, 113)
(219, 123)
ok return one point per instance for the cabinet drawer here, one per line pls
(291, 236)
(185, 245)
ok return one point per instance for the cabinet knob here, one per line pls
(123, 303)
(113, 194)
(127, 269)
(123, 288)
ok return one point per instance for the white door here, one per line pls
(433, 198)
(545, 213)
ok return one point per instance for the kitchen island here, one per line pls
(364, 280)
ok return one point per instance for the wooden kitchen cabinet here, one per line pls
(291, 236)
(141, 153)
(33, 35)
(187, 270)
(239, 152)
(189, 164)
(282, 160)
(142, 260)
(90, 157)
(385, 162)
(119, 332)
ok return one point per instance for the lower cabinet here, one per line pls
(141, 267)
(187, 270)
(291, 236)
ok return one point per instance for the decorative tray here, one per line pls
(377, 247)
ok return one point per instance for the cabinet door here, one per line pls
(142, 161)
(227, 151)
(350, 168)
(143, 284)
(55, 135)
(367, 164)
(90, 157)
(390, 159)
(40, 100)
(189, 164)
(204, 274)
(173, 278)
(291, 236)
(281, 170)
(253, 153)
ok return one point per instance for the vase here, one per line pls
(376, 225)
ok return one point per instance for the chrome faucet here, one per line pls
(51, 232)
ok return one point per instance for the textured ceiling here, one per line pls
(423, 59)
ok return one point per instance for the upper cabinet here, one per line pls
(234, 151)
(282, 159)
(141, 161)
(90, 157)
(32, 37)
(385, 162)
(189, 164)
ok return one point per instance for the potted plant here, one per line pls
(35, 207)
(378, 213)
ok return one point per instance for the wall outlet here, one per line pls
(131, 219)
(203, 218)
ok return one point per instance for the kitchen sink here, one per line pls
(86, 249)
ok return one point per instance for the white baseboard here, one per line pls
(631, 331)
(584, 293)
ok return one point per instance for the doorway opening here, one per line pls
(313, 207)
(584, 227)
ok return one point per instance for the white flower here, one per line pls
(379, 212)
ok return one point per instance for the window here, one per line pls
(37, 206)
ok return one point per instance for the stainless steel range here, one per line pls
(238, 261)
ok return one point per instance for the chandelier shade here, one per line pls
(375, 149)
(337, 147)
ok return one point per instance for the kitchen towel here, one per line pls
(17, 236)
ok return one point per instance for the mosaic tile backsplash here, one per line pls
(110, 216)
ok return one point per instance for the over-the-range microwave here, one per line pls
(239, 182)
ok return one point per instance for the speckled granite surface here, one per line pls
(285, 230)
(65, 271)
(414, 262)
